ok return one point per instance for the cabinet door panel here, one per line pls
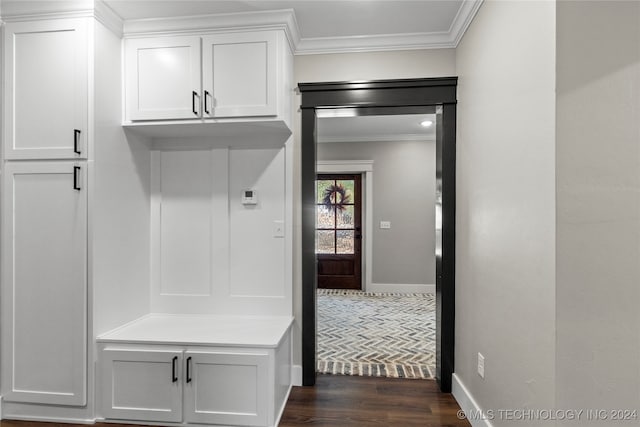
(142, 385)
(227, 388)
(44, 283)
(239, 74)
(46, 89)
(161, 76)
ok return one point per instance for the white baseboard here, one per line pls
(56, 420)
(467, 403)
(402, 288)
(296, 375)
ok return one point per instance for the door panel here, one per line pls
(339, 231)
(46, 82)
(142, 385)
(163, 78)
(239, 74)
(44, 283)
(227, 388)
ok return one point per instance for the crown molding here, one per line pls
(250, 21)
(107, 17)
(243, 21)
(31, 11)
(463, 19)
(322, 45)
(410, 41)
(10, 17)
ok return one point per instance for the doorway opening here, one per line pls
(386, 327)
(437, 96)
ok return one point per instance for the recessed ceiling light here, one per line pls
(426, 123)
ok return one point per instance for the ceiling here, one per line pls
(391, 128)
(330, 26)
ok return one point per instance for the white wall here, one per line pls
(598, 214)
(505, 223)
(210, 253)
(119, 216)
(404, 192)
(352, 66)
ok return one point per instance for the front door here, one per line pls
(339, 231)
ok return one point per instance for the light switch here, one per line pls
(278, 228)
(385, 224)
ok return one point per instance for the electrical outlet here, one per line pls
(481, 365)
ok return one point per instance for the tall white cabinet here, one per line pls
(136, 283)
(44, 213)
(67, 170)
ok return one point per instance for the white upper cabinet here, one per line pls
(239, 74)
(227, 75)
(163, 78)
(45, 89)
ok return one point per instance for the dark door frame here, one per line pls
(385, 97)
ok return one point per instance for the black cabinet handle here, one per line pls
(76, 174)
(194, 95)
(206, 95)
(174, 367)
(76, 141)
(188, 369)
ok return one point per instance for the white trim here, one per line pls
(463, 19)
(38, 418)
(261, 20)
(402, 288)
(283, 407)
(228, 22)
(344, 166)
(371, 43)
(366, 168)
(377, 138)
(296, 375)
(107, 17)
(410, 41)
(47, 16)
(467, 403)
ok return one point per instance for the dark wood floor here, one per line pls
(344, 401)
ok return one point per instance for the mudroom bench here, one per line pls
(196, 369)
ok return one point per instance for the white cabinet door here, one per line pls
(239, 74)
(163, 78)
(44, 283)
(226, 388)
(142, 385)
(45, 89)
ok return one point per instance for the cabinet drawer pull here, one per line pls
(206, 96)
(194, 95)
(76, 141)
(174, 367)
(76, 175)
(188, 369)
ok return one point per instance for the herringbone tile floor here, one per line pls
(376, 334)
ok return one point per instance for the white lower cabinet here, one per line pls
(142, 385)
(226, 388)
(220, 387)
